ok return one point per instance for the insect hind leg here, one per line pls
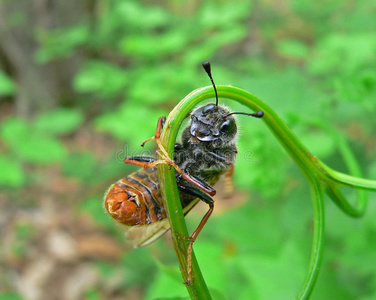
(193, 237)
(195, 191)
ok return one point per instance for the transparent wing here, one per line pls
(143, 235)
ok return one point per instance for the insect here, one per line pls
(206, 152)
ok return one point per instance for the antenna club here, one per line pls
(257, 114)
(206, 66)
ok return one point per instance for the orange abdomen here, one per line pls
(135, 200)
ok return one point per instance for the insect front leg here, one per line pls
(160, 124)
(143, 161)
(167, 160)
(148, 161)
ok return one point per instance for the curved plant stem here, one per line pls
(318, 239)
(320, 177)
(342, 179)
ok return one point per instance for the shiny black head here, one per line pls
(211, 123)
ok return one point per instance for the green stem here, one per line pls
(348, 180)
(318, 239)
(334, 180)
(197, 288)
(320, 177)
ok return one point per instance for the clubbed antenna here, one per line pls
(257, 114)
(206, 66)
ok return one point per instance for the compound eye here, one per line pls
(208, 108)
(228, 126)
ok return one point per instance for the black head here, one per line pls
(212, 122)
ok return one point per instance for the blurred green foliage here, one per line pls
(310, 61)
(7, 87)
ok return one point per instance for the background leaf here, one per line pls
(12, 174)
(59, 121)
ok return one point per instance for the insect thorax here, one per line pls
(205, 160)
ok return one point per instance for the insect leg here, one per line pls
(202, 185)
(160, 124)
(147, 161)
(167, 160)
(187, 188)
(207, 199)
(228, 182)
(143, 161)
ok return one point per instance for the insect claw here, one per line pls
(149, 139)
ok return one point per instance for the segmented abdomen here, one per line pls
(135, 200)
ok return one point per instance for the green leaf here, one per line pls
(80, 165)
(94, 207)
(92, 294)
(59, 121)
(211, 258)
(30, 145)
(152, 46)
(10, 296)
(124, 124)
(246, 227)
(162, 85)
(11, 174)
(292, 49)
(60, 43)
(274, 277)
(102, 78)
(319, 143)
(137, 271)
(7, 87)
(41, 149)
(14, 131)
(139, 16)
(230, 13)
(357, 50)
(166, 287)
